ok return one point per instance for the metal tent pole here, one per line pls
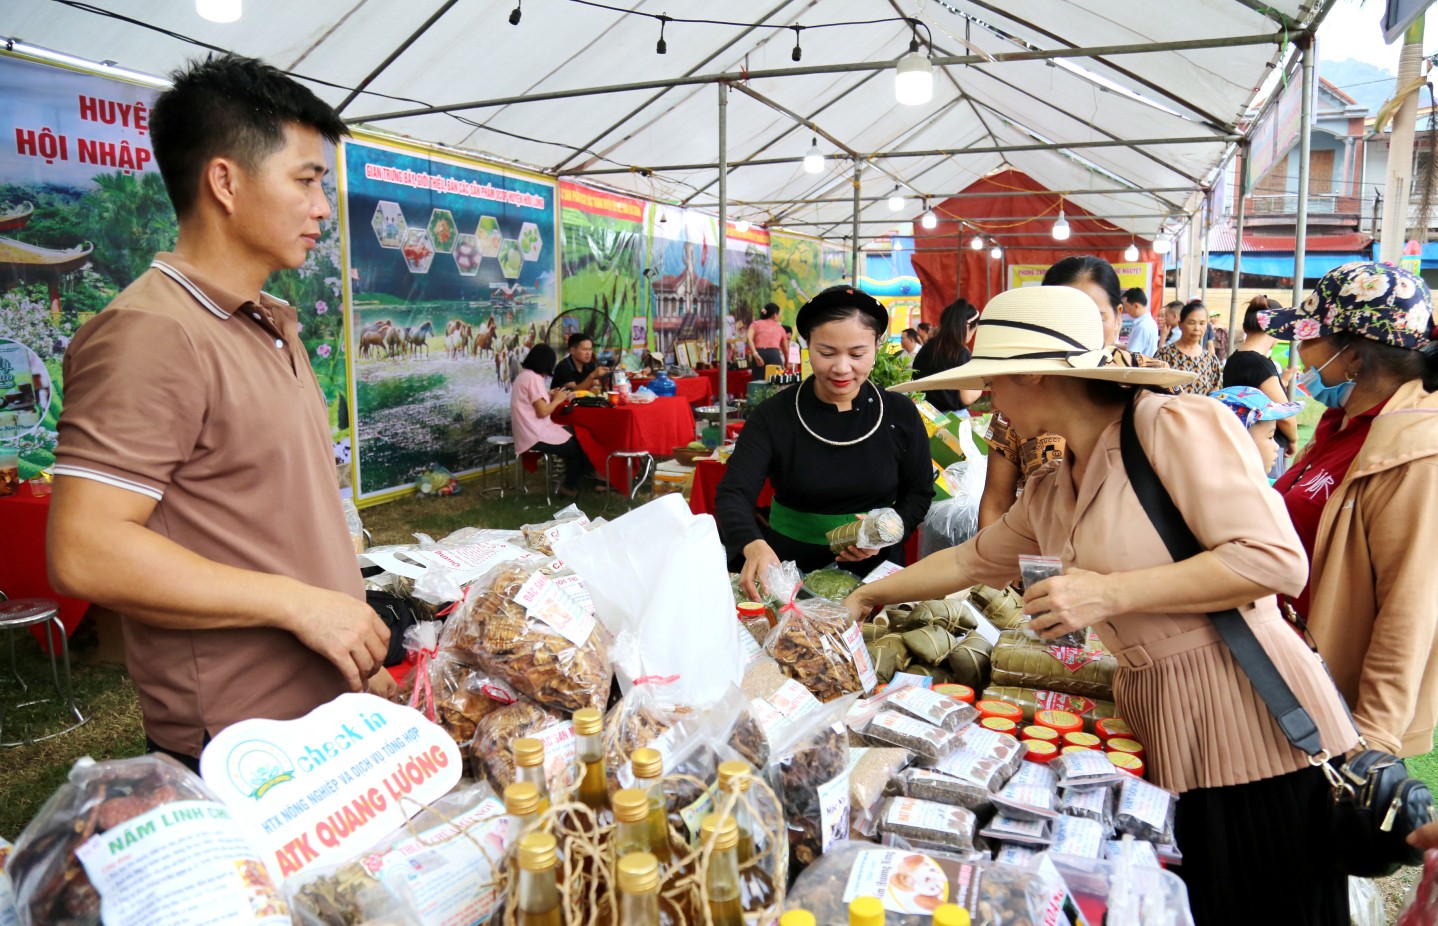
(1237, 283)
(1305, 145)
(723, 261)
(1204, 229)
(854, 242)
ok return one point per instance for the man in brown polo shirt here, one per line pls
(195, 490)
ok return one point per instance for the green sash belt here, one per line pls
(804, 526)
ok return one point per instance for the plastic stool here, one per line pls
(28, 612)
(505, 443)
(629, 456)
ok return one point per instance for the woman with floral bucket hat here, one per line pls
(1252, 818)
(1364, 495)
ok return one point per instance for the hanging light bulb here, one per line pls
(814, 159)
(898, 244)
(977, 243)
(929, 220)
(997, 252)
(1130, 253)
(914, 77)
(896, 200)
(1061, 227)
(1162, 244)
(219, 11)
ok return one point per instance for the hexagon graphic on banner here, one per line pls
(489, 236)
(511, 259)
(442, 230)
(389, 224)
(530, 244)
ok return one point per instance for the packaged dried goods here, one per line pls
(762, 675)
(490, 753)
(1001, 746)
(871, 771)
(348, 895)
(815, 643)
(969, 661)
(1035, 569)
(939, 710)
(899, 729)
(808, 768)
(1079, 836)
(1022, 659)
(1145, 811)
(1033, 700)
(910, 884)
(882, 527)
(1011, 853)
(754, 617)
(1031, 793)
(929, 644)
(124, 835)
(1092, 803)
(1139, 853)
(518, 624)
(832, 583)
(962, 779)
(446, 690)
(1002, 607)
(1085, 768)
(1029, 831)
(889, 656)
(647, 712)
(927, 824)
(541, 538)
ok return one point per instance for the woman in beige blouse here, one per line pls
(1252, 816)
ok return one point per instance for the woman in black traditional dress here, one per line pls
(832, 447)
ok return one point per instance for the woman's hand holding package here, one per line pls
(1073, 601)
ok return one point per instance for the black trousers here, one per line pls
(190, 762)
(576, 464)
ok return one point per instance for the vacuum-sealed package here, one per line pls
(1032, 793)
(899, 729)
(1145, 811)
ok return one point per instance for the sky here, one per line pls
(1354, 30)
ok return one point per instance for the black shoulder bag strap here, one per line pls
(1295, 722)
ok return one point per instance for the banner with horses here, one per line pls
(452, 278)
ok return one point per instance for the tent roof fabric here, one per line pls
(468, 52)
(1222, 238)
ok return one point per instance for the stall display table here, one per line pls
(737, 383)
(696, 390)
(22, 556)
(656, 428)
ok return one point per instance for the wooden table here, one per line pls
(22, 556)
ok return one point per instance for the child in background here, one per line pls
(1260, 415)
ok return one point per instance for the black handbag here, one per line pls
(1375, 803)
(398, 615)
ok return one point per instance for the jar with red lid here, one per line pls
(1109, 727)
(1036, 732)
(755, 618)
(1127, 762)
(1124, 744)
(1060, 722)
(990, 707)
(1000, 725)
(1040, 751)
(1082, 740)
(956, 691)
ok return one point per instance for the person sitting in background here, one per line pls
(1259, 414)
(925, 331)
(532, 404)
(1143, 336)
(767, 342)
(1188, 354)
(1251, 365)
(945, 351)
(909, 342)
(578, 370)
(1364, 495)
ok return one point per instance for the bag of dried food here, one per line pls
(873, 772)
(927, 824)
(541, 538)
(491, 755)
(125, 837)
(814, 641)
(963, 778)
(517, 623)
(1145, 811)
(1022, 659)
(896, 728)
(647, 713)
(446, 690)
(348, 895)
(808, 769)
(911, 883)
(882, 527)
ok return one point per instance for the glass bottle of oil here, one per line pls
(529, 766)
(521, 803)
(725, 906)
(866, 911)
(631, 822)
(648, 767)
(951, 914)
(638, 889)
(537, 895)
(593, 789)
(756, 888)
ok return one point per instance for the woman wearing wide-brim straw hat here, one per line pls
(1252, 819)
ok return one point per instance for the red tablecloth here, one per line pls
(738, 382)
(693, 389)
(22, 556)
(658, 427)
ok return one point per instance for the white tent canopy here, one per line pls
(661, 141)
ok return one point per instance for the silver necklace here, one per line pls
(839, 443)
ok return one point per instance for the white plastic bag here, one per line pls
(952, 521)
(657, 580)
(1365, 904)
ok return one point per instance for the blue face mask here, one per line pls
(1331, 396)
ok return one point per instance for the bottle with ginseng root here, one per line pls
(529, 766)
(648, 767)
(722, 884)
(593, 789)
(638, 889)
(537, 894)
